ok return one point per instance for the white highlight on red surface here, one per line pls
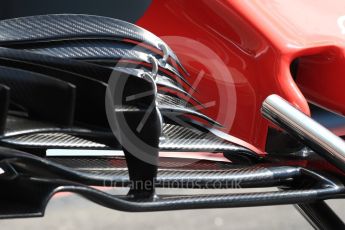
(341, 23)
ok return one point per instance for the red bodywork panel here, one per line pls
(240, 52)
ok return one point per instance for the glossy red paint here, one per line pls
(244, 50)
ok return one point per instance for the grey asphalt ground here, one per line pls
(74, 213)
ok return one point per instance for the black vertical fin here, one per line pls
(137, 124)
(4, 103)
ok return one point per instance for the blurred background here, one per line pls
(128, 10)
(71, 212)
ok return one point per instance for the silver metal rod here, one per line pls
(305, 129)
